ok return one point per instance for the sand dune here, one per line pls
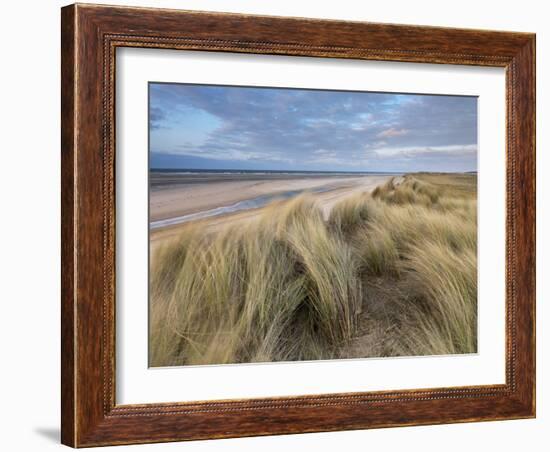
(392, 274)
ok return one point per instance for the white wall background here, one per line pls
(29, 252)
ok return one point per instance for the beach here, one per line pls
(219, 198)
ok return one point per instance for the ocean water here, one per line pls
(190, 171)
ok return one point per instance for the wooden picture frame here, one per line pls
(90, 36)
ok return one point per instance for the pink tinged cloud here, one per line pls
(392, 133)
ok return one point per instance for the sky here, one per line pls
(227, 127)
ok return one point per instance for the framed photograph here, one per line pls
(281, 225)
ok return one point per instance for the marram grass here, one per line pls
(389, 273)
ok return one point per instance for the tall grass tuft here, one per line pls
(350, 214)
(445, 319)
(283, 288)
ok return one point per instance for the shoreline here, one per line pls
(188, 198)
(171, 203)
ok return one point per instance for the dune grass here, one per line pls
(389, 273)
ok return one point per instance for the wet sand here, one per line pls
(173, 196)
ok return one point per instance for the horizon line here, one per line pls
(305, 170)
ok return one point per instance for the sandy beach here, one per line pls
(174, 196)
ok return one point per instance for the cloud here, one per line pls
(156, 117)
(441, 151)
(310, 129)
(391, 132)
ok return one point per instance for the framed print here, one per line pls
(281, 225)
